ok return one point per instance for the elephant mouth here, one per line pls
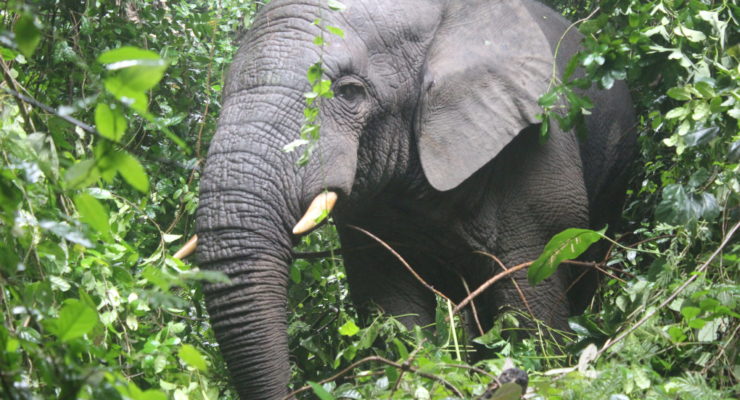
(317, 211)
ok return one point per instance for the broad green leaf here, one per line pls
(690, 312)
(75, 320)
(320, 392)
(81, 174)
(192, 357)
(127, 53)
(132, 392)
(314, 73)
(349, 328)
(566, 245)
(680, 207)
(125, 94)
(548, 99)
(700, 136)
(132, 171)
(679, 93)
(93, 213)
(109, 122)
(27, 34)
(140, 78)
(692, 35)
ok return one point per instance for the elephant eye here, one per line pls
(350, 91)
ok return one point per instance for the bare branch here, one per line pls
(405, 264)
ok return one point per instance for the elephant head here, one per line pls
(427, 92)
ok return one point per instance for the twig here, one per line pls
(488, 283)
(405, 264)
(406, 365)
(443, 381)
(36, 103)
(85, 127)
(469, 367)
(596, 265)
(516, 285)
(472, 306)
(675, 294)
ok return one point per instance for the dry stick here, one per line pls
(516, 285)
(406, 365)
(472, 305)
(405, 264)
(675, 294)
(597, 266)
(488, 283)
(386, 361)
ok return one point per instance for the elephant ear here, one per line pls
(486, 67)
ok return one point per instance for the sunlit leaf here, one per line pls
(109, 122)
(93, 213)
(75, 320)
(320, 392)
(336, 5)
(127, 53)
(81, 174)
(566, 245)
(132, 171)
(192, 357)
(349, 328)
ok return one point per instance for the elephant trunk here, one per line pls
(248, 313)
(250, 199)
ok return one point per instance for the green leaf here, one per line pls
(700, 136)
(349, 328)
(566, 245)
(132, 171)
(679, 93)
(690, 312)
(125, 94)
(75, 320)
(320, 391)
(548, 99)
(335, 31)
(109, 122)
(680, 207)
(678, 112)
(314, 73)
(126, 53)
(27, 34)
(93, 213)
(81, 174)
(336, 5)
(192, 357)
(692, 35)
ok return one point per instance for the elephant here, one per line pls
(431, 142)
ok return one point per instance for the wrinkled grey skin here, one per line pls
(431, 143)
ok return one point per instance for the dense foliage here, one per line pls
(106, 111)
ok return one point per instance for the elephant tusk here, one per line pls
(320, 207)
(188, 248)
